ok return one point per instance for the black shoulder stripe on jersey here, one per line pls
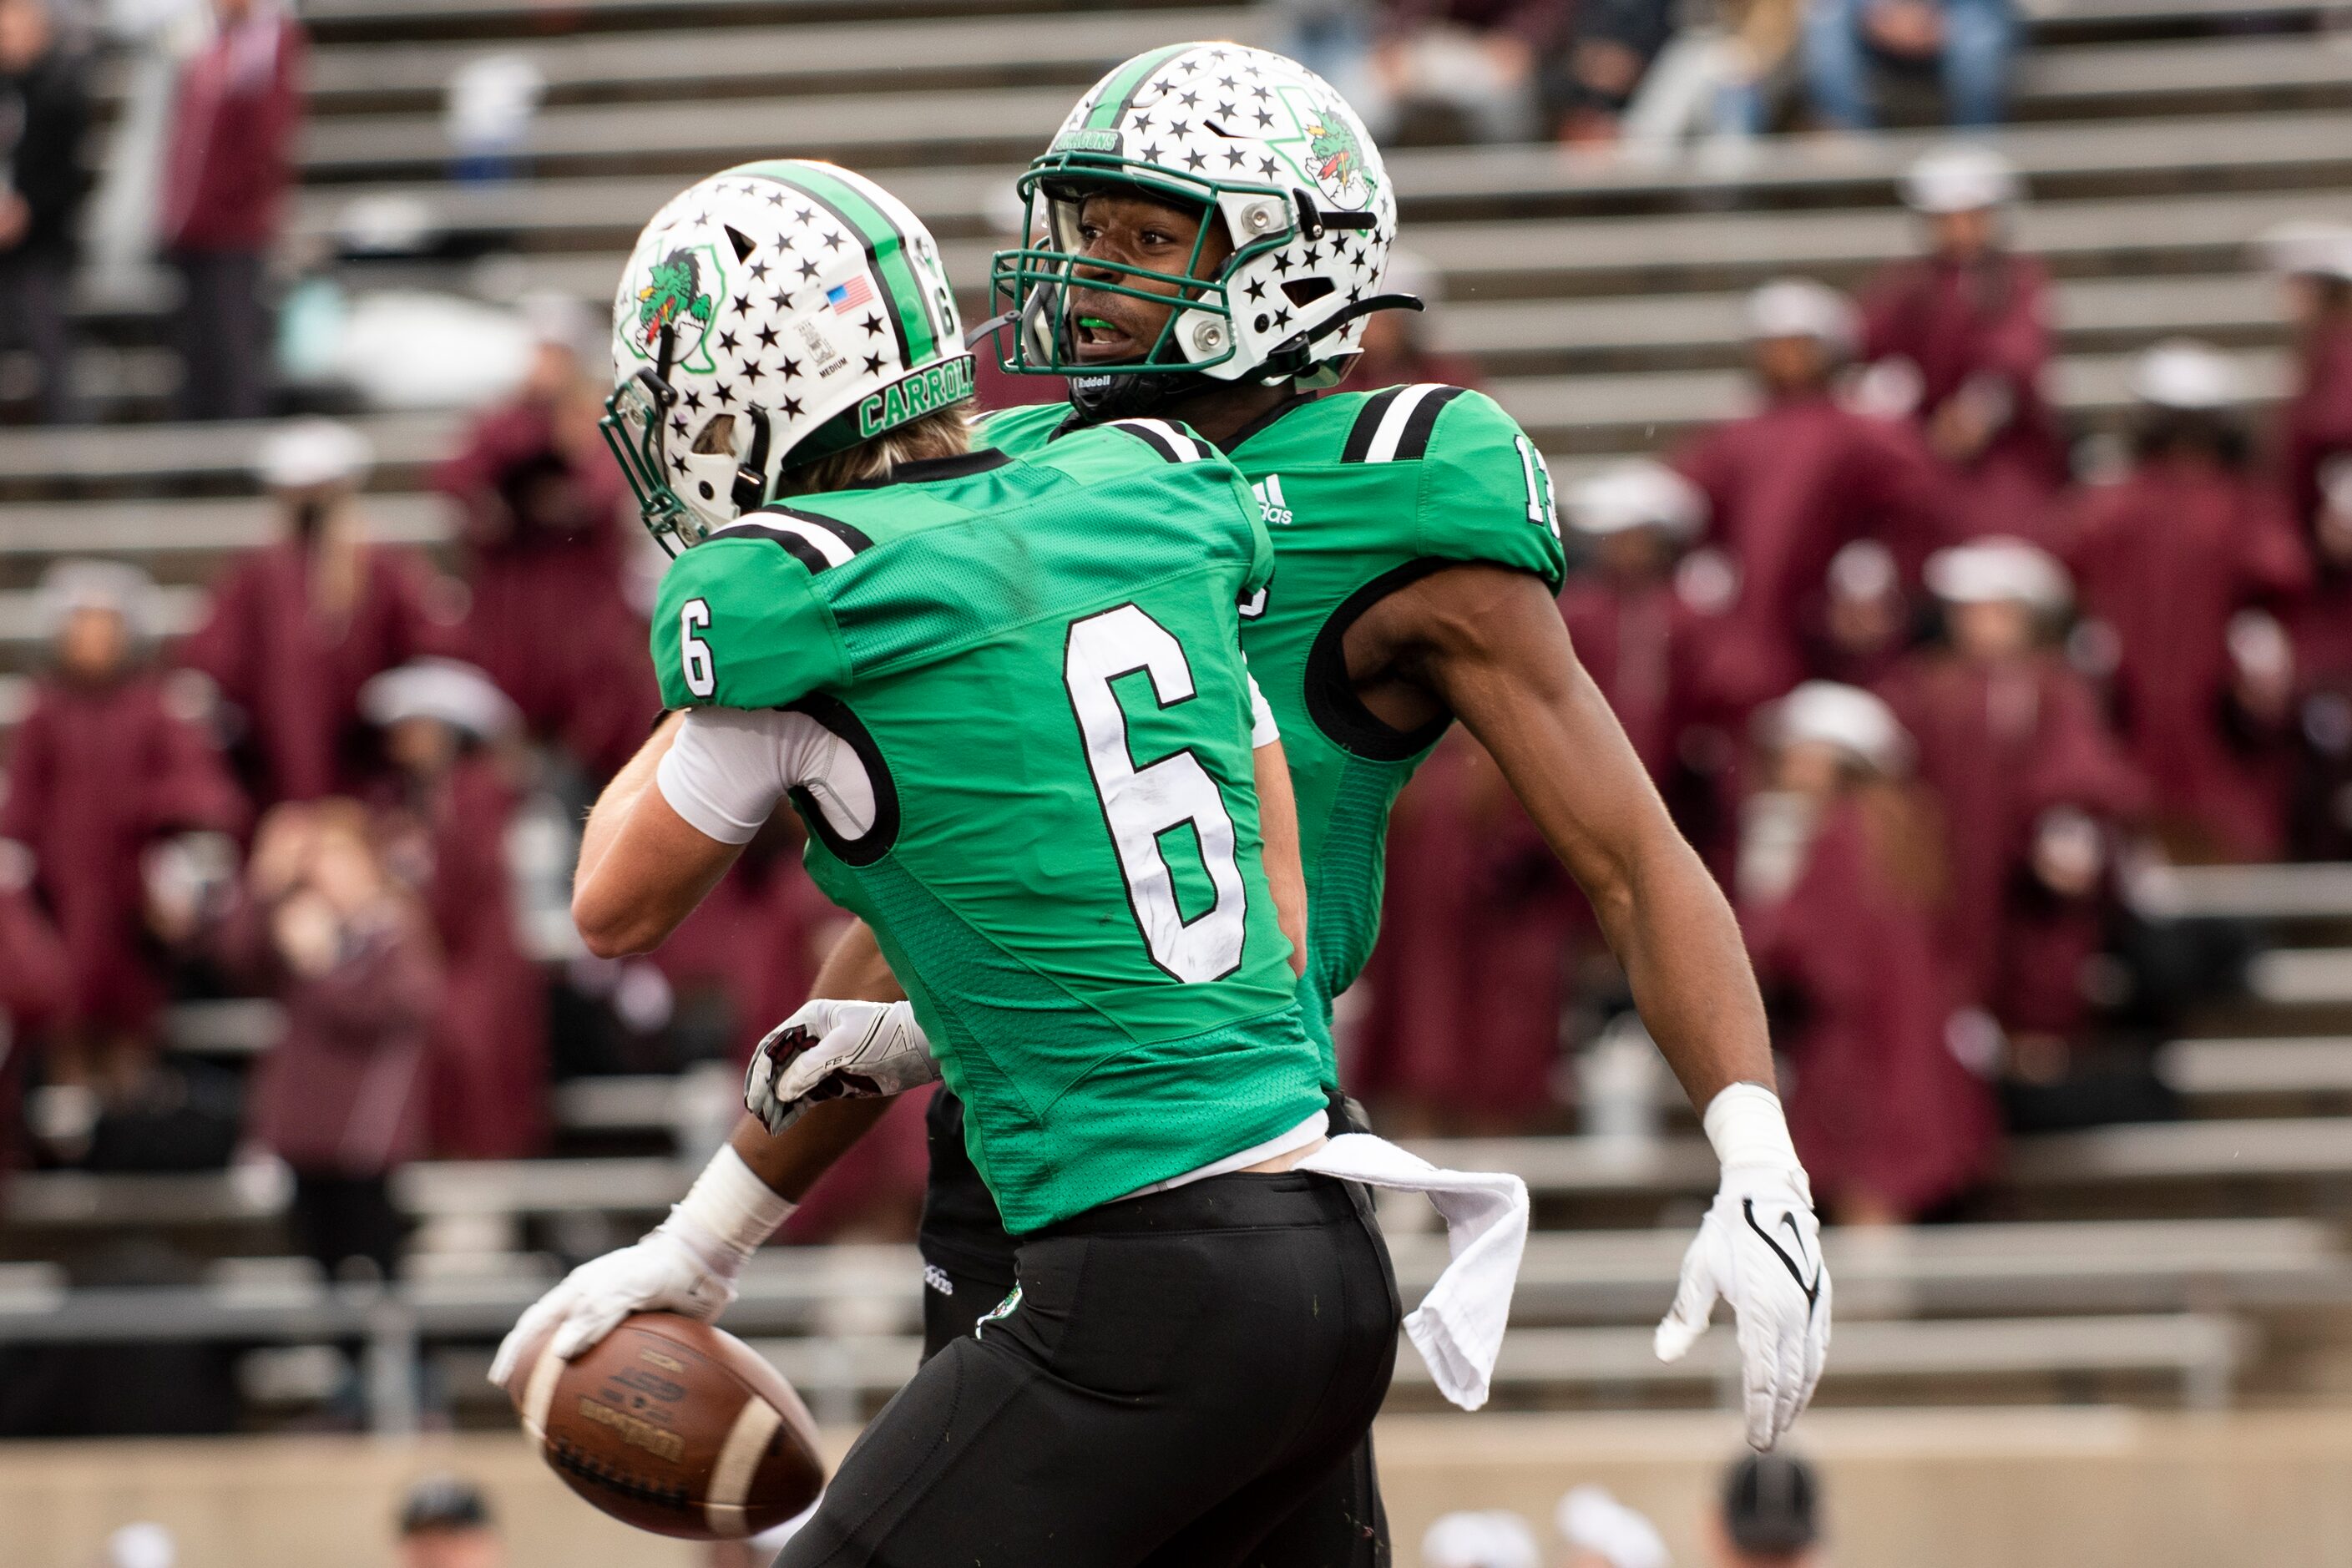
(1331, 699)
(854, 537)
(875, 841)
(808, 554)
(1368, 424)
(1170, 441)
(818, 541)
(1419, 426)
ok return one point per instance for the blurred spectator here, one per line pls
(295, 628)
(1970, 40)
(1482, 60)
(1636, 632)
(1489, 1538)
(446, 828)
(1400, 347)
(1769, 1515)
(1602, 1533)
(2029, 778)
(1966, 325)
(44, 112)
(101, 770)
(235, 116)
(2314, 450)
(1469, 977)
(1865, 615)
(1612, 47)
(492, 99)
(445, 1522)
(2314, 266)
(1788, 487)
(341, 1098)
(541, 502)
(2178, 566)
(35, 985)
(1718, 76)
(1840, 876)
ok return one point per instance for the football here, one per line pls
(674, 1426)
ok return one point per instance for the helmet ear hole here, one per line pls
(743, 243)
(1307, 291)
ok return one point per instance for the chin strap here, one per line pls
(1288, 357)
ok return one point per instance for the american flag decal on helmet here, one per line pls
(847, 297)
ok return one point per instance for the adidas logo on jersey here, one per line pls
(1270, 504)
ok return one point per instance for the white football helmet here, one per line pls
(800, 299)
(1271, 151)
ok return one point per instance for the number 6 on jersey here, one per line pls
(1140, 804)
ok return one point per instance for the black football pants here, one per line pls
(1178, 1376)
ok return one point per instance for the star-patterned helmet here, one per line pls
(1260, 143)
(771, 315)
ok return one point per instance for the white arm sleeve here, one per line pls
(727, 770)
(1263, 731)
(730, 766)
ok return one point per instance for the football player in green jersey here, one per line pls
(1007, 697)
(1213, 223)
(1217, 222)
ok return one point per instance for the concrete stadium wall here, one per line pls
(2093, 1487)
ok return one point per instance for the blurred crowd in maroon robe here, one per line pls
(1921, 690)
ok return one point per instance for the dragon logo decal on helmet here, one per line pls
(771, 315)
(1252, 141)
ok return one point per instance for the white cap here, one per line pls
(1863, 569)
(566, 321)
(1801, 307)
(310, 452)
(2181, 373)
(1497, 1538)
(2306, 247)
(88, 584)
(1592, 1521)
(1959, 177)
(141, 1546)
(1637, 493)
(1845, 717)
(1409, 272)
(457, 694)
(1990, 570)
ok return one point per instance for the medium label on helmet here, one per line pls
(947, 382)
(1087, 141)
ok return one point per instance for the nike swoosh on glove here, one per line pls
(1759, 1249)
(658, 1273)
(836, 1050)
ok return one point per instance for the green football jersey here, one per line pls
(1037, 664)
(1362, 493)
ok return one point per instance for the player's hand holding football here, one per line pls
(836, 1050)
(685, 1265)
(1759, 1249)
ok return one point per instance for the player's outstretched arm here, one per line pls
(1490, 643)
(688, 1264)
(643, 868)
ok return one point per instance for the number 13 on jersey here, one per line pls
(1140, 804)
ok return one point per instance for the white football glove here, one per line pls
(660, 1273)
(685, 1265)
(1759, 1249)
(836, 1050)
